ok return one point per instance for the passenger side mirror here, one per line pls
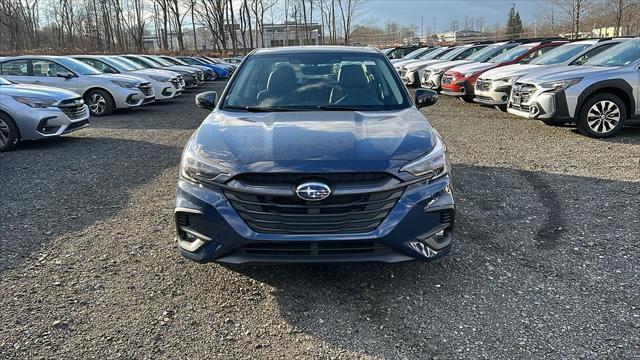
(206, 100)
(66, 75)
(425, 97)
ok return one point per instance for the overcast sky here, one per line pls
(410, 11)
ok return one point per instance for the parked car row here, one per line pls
(592, 83)
(47, 96)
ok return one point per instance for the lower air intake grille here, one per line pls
(306, 248)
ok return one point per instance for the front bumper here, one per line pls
(130, 98)
(411, 78)
(458, 88)
(542, 106)
(432, 81)
(419, 226)
(35, 124)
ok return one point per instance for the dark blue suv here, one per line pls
(314, 154)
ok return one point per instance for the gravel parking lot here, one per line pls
(546, 261)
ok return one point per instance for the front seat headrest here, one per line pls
(353, 76)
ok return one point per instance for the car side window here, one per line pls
(45, 68)
(14, 68)
(105, 68)
(591, 53)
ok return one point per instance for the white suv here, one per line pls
(103, 93)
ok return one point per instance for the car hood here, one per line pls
(120, 77)
(564, 73)
(297, 140)
(474, 67)
(156, 72)
(448, 64)
(37, 91)
(510, 71)
(400, 62)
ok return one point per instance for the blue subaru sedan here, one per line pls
(314, 155)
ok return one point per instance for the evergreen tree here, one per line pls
(517, 25)
(514, 24)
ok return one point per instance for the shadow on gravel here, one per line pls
(63, 185)
(517, 233)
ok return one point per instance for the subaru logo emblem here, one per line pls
(313, 191)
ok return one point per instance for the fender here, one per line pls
(611, 83)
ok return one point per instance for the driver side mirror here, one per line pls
(206, 100)
(66, 75)
(425, 97)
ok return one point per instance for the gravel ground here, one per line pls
(546, 262)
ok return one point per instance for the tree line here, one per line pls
(111, 26)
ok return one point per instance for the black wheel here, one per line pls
(502, 108)
(602, 115)
(9, 135)
(100, 102)
(468, 100)
(214, 77)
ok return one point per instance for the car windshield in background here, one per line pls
(415, 54)
(325, 81)
(121, 65)
(78, 66)
(560, 54)
(439, 55)
(453, 53)
(160, 61)
(619, 55)
(129, 62)
(487, 53)
(511, 54)
(180, 62)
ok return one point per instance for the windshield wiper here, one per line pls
(257, 109)
(337, 108)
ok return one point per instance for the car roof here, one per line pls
(317, 49)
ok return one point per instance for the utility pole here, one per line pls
(435, 31)
(422, 28)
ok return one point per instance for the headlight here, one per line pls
(125, 84)
(198, 169)
(560, 84)
(508, 80)
(35, 102)
(432, 165)
(159, 78)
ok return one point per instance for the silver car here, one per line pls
(104, 93)
(599, 96)
(32, 112)
(189, 75)
(166, 84)
(494, 86)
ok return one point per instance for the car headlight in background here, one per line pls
(198, 169)
(35, 102)
(125, 84)
(159, 78)
(560, 84)
(508, 80)
(432, 165)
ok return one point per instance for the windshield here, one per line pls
(130, 63)
(144, 62)
(159, 60)
(438, 54)
(512, 54)
(5, 82)
(206, 61)
(416, 54)
(619, 55)
(487, 53)
(120, 65)
(560, 54)
(78, 66)
(181, 61)
(171, 60)
(316, 81)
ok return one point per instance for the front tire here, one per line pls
(100, 102)
(9, 134)
(602, 115)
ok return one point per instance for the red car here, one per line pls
(460, 81)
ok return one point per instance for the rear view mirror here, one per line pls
(66, 75)
(206, 100)
(425, 97)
